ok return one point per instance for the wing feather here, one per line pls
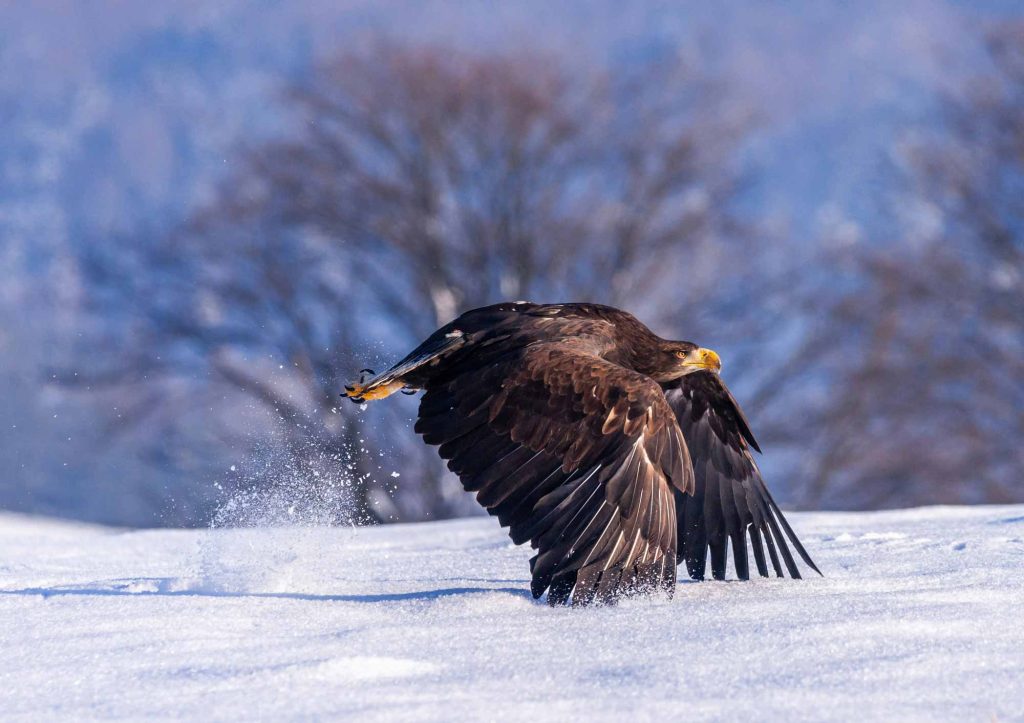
(576, 454)
(731, 504)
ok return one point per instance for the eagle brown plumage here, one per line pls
(575, 425)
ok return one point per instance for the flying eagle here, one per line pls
(617, 454)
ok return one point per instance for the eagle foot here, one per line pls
(364, 391)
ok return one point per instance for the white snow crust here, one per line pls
(918, 617)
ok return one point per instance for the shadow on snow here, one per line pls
(164, 585)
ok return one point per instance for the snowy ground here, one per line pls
(919, 617)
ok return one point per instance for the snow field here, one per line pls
(918, 618)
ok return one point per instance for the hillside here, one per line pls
(916, 618)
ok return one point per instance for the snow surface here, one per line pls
(918, 618)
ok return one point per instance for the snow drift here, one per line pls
(917, 617)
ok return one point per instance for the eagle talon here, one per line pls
(360, 392)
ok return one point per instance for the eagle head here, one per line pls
(678, 358)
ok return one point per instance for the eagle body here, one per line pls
(615, 453)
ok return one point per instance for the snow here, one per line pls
(918, 618)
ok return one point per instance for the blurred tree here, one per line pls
(414, 183)
(923, 345)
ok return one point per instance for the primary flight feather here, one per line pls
(617, 454)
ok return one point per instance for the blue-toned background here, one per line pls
(212, 214)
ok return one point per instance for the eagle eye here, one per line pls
(681, 354)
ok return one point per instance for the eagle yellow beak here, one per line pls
(705, 359)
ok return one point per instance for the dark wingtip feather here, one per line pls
(739, 555)
(741, 418)
(787, 556)
(758, 545)
(792, 535)
(719, 556)
(772, 552)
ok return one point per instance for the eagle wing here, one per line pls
(576, 454)
(731, 500)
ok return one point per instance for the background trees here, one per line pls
(413, 183)
(193, 335)
(924, 341)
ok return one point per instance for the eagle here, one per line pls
(618, 455)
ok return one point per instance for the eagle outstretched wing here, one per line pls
(578, 455)
(730, 500)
